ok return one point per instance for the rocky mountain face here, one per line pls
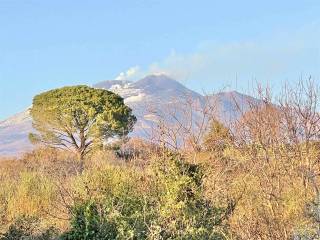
(147, 97)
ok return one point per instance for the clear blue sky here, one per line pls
(205, 43)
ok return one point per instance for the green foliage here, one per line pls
(184, 212)
(88, 224)
(170, 205)
(79, 117)
(118, 211)
(218, 137)
(107, 221)
(28, 228)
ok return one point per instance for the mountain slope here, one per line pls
(231, 105)
(147, 97)
(14, 133)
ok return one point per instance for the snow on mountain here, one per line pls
(146, 97)
(16, 119)
(112, 84)
(14, 133)
(149, 97)
(153, 87)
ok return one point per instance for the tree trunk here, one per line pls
(81, 162)
(81, 150)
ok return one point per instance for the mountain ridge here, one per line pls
(153, 91)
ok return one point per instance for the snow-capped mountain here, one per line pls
(146, 97)
(153, 87)
(151, 92)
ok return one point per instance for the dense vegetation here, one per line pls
(258, 179)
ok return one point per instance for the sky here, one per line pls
(208, 45)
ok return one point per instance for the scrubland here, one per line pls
(256, 179)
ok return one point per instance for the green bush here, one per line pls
(184, 212)
(170, 205)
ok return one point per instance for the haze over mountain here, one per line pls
(146, 97)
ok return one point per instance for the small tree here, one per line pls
(218, 137)
(78, 118)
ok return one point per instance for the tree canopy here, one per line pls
(217, 137)
(79, 117)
